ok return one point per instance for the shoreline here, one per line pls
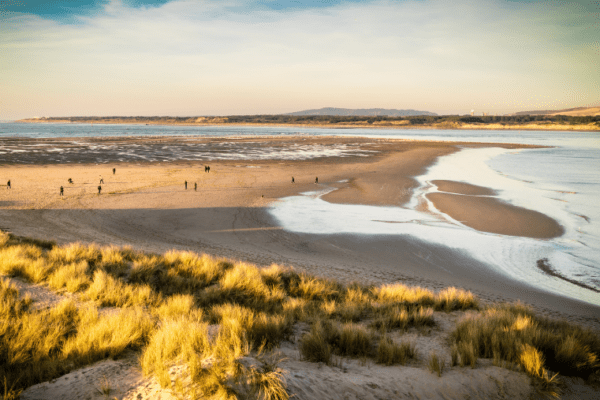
(146, 206)
(462, 126)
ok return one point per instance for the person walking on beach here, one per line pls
(293, 180)
(114, 170)
(70, 180)
(62, 190)
(99, 189)
(101, 180)
(8, 184)
(317, 179)
(195, 186)
(185, 185)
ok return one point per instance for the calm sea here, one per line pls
(562, 181)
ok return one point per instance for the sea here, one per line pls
(561, 180)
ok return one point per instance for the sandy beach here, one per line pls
(146, 205)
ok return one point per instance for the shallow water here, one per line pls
(575, 255)
(85, 150)
(562, 181)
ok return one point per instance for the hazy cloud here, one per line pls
(227, 57)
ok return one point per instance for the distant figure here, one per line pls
(101, 180)
(8, 184)
(99, 189)
(185, 185)
(317, 179)
(293, 181)
(206, 168)
(62, 190)
(70, 180)
(195, 186)
(114, 170)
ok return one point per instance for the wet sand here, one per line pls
(146, 206)
(488, 214)
(462, 188)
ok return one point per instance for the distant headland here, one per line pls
(579, 119)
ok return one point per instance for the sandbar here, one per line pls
(492, 215)
(462, 188)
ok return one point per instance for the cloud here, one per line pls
(225, 57)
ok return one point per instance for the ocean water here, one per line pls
(562, 181)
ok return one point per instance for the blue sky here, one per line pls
(207, 57)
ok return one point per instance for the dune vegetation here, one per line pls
(223, 320)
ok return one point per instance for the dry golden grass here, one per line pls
(435, 364)
(108, 335)
(200, 268)
(452, 299)
(314, 346)
(4, 238)
(177, 340)
(179, 305)
(402, 294)
(73, 277)
(393, 317)
(243, 284)
(327, 338)
(109, 291)
(390, 353)
(165, 303)
(73, 253)
(513, 335)
(24, 261)
(36, 346)
(355, 341)
(298, 309)
(312, 288)
(449, 299)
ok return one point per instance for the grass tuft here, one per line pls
(435, 364)
(314, 346)
(512, 335)
(390, 353)
(108, 291)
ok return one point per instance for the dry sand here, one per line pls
(147, 207)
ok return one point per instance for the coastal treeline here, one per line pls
(445, 121)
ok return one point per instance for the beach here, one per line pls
(145, 205)
(154, 201)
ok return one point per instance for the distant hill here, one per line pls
(574, 112)
(361, 112)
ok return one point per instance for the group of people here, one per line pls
(206, 169)
(195, 185)
(316, 180)
(62, 189)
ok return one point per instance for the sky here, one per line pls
(233, 57)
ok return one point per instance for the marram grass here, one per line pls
(212, 315)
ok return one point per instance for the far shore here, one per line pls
(591, 127)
